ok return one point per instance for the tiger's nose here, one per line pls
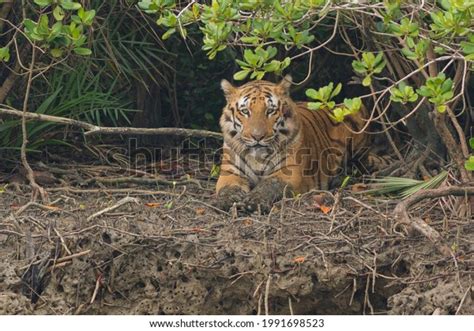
(257, 135)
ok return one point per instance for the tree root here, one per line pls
(401, 213)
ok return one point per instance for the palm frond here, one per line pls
(404, 187)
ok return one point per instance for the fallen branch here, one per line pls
(142, 181)
(111, 208)
(127, 191)
(92, 129)
(401, 213)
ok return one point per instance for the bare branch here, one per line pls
(94, 129)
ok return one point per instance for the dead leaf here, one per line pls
(299, 259)
(153, 204)
(359, 187)
(248, 222)
(319, 203)
(325, 209)
(52, 208)
(200, 211)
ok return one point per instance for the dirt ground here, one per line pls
(166, 250)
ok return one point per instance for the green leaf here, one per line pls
(250, 57)
(424, 91)
(367, 81)
(168, 33)
(369, 59)
(242, 74)
(56, 52)
(469, 164)
(250, 40)
(338, 114)
(215, 170)
(70, 5)
(272, 66)
(43, 25)
(312, 93)
(336, 91)
(43, 3)
(82, 51)
(345, 181)
(471, 142)
(4, 54)
(314, 105)
(58, 13)
(86, 16)
(441, 108)
(359, 67)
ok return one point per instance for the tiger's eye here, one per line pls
(271, 111)
(244, 111)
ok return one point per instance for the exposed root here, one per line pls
(401, 213)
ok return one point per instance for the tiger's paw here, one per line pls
(229, 195)
(264, 195)
(255, 200)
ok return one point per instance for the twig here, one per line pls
(111, 208)
(267, 293)
(31, 204)
(63, 242)
(94, 129)
(259, 307)
(29, 172)
(462, 300)
(96, 289)
(72, 256)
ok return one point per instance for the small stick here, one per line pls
(96, 289)
(36, 188)
(111, 208)
(462, 300)
(291, 306)
(258, 288)
(267, 292)
(72, 256)
(366, 297)
(259, 309)
(63, 243)
(58, 265)
(354, 290)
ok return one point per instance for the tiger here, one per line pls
(273, 145)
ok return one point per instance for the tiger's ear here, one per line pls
(285, 85)
(228, 88)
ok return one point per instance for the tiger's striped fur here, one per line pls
(268, 136)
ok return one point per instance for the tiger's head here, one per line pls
(258, 114)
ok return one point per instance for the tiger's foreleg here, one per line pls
(231, 189)
(270, 190)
